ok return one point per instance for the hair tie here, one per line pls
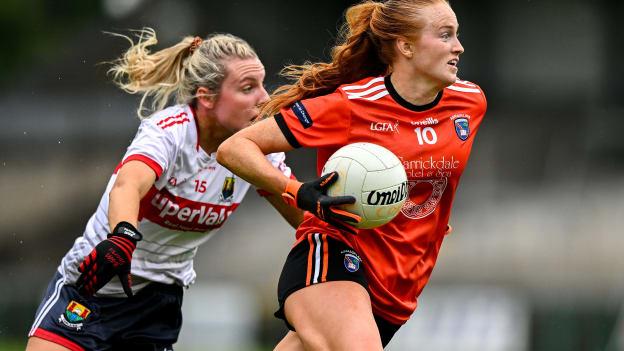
(196, 43)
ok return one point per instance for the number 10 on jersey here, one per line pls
(426, 135)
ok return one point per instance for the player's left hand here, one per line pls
(312, 196)
(109, 258)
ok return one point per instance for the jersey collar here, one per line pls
(408, 105)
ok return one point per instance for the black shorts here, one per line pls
(320, 258)
(150, 320)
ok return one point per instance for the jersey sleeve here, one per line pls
(479, 109)
(482, 104)
(152, 145)
(317, 122)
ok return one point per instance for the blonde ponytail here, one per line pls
(177, 70)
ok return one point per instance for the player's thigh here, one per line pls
(38, 344)
(335, 315)
(290, 342)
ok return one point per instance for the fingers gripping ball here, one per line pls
(374, 176)
(312, 196)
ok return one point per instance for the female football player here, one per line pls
(396, 63)
(167, 196)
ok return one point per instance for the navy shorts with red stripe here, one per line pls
(150, 320)
(319, 258)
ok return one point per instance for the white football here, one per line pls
(374, 176)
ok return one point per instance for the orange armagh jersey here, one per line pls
(432, 141)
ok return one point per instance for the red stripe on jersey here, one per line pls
(164, 121)
(57, 339)
(145, 159)
(174, 123)
(173, 212)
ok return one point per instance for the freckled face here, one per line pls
(241, 92)
(437, 49)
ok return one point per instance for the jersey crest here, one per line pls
(74, 316)
(462, 126)
(228, 189)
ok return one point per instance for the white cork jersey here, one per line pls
(191, 199)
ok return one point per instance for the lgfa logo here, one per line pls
(384, 127)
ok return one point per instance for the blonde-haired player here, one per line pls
(167, 196)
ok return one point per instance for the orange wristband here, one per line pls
(290, 193)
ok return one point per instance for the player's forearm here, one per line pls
(244, 158)
(292, 215)
(124, 203)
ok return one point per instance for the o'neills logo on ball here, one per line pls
(389, 197)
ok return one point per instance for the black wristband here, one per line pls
(128, 230)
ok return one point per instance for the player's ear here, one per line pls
(404, 47)
(205, 97)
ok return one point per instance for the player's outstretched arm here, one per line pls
(113, 256)
(134, 180)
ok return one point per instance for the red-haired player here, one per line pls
(392, 81)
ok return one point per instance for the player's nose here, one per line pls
(264, 96)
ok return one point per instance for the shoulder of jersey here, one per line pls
(463, 90)
(173, 118)
(464, 87)
(371, 89)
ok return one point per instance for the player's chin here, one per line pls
(448, 78)
(452, 73)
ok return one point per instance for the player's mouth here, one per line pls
(453, 63)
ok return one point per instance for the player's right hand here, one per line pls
(312, 196)
(109, 258)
